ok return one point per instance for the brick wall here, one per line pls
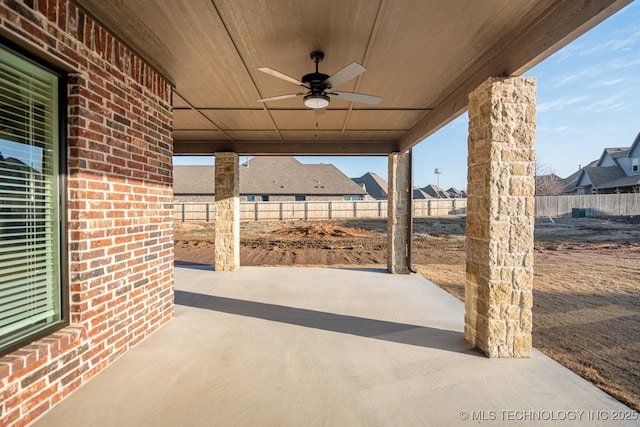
(119, 206)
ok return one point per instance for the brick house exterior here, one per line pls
(119, 261)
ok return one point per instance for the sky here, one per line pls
(588, 99)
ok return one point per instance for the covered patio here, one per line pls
(131, 84)
(323, 346)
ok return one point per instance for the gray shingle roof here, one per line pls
(374, 185)
(600, 176)
(617, 152)
(418, 194)
(270, 175)
(456, 192)
(570, 182)
(435, 191)
(377, 187)
(626, 181)
(193, 179)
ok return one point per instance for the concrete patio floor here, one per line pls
(324, 346)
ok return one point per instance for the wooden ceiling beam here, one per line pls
(289, 148)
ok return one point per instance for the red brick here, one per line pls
(11, 417)
(62, 14)
(27, 393)
(37, 411)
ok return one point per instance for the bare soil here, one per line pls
(586, 312)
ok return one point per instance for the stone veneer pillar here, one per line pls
(500, 217)
(227, 213)
(397, 218)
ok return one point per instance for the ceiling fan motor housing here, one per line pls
(314, 81)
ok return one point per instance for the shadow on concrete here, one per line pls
(422, 336)
(362, 269)
(193, 265)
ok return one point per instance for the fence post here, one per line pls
(207, 212)
(355, 209)
(306, 211)
(379, 209)
(281, 214)
(183, 211)
(330, 207)
(257, 215)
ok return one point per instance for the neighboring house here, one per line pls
(570, 182)
(455, 193)
(269, 178)
(435, 191)
(377, 187)
(617, 171)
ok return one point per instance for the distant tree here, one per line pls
(547, 182)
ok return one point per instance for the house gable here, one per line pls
(583, 180)
(373, 184)
(634, 150)
(632, 166)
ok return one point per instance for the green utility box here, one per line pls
(578, 213)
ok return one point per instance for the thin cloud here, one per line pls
(605, 83)
(561, 103)
(554, 130)
(610, 104)
(573, 77)
(605, 68)
(581, 50)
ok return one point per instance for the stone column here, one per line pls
(500, 216)
(227, 213)
(397, 218)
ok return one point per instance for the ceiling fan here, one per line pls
(320, 86)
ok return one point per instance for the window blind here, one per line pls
(29, 212)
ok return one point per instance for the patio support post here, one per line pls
(397, 218)
(227, 212)
(500, 217)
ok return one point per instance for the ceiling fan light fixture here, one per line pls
(316, 101)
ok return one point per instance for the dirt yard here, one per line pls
(586, 311)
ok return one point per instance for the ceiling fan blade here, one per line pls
(356, 97)
(281, 76)
(347, 73)
(279, 97)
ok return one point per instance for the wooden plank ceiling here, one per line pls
(422, 58)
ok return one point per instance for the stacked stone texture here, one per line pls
(500, 217)
(398, 207)
(120, 219)
(227, 213)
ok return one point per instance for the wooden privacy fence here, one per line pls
(555, 206)
(593, 204)
(259, 211)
